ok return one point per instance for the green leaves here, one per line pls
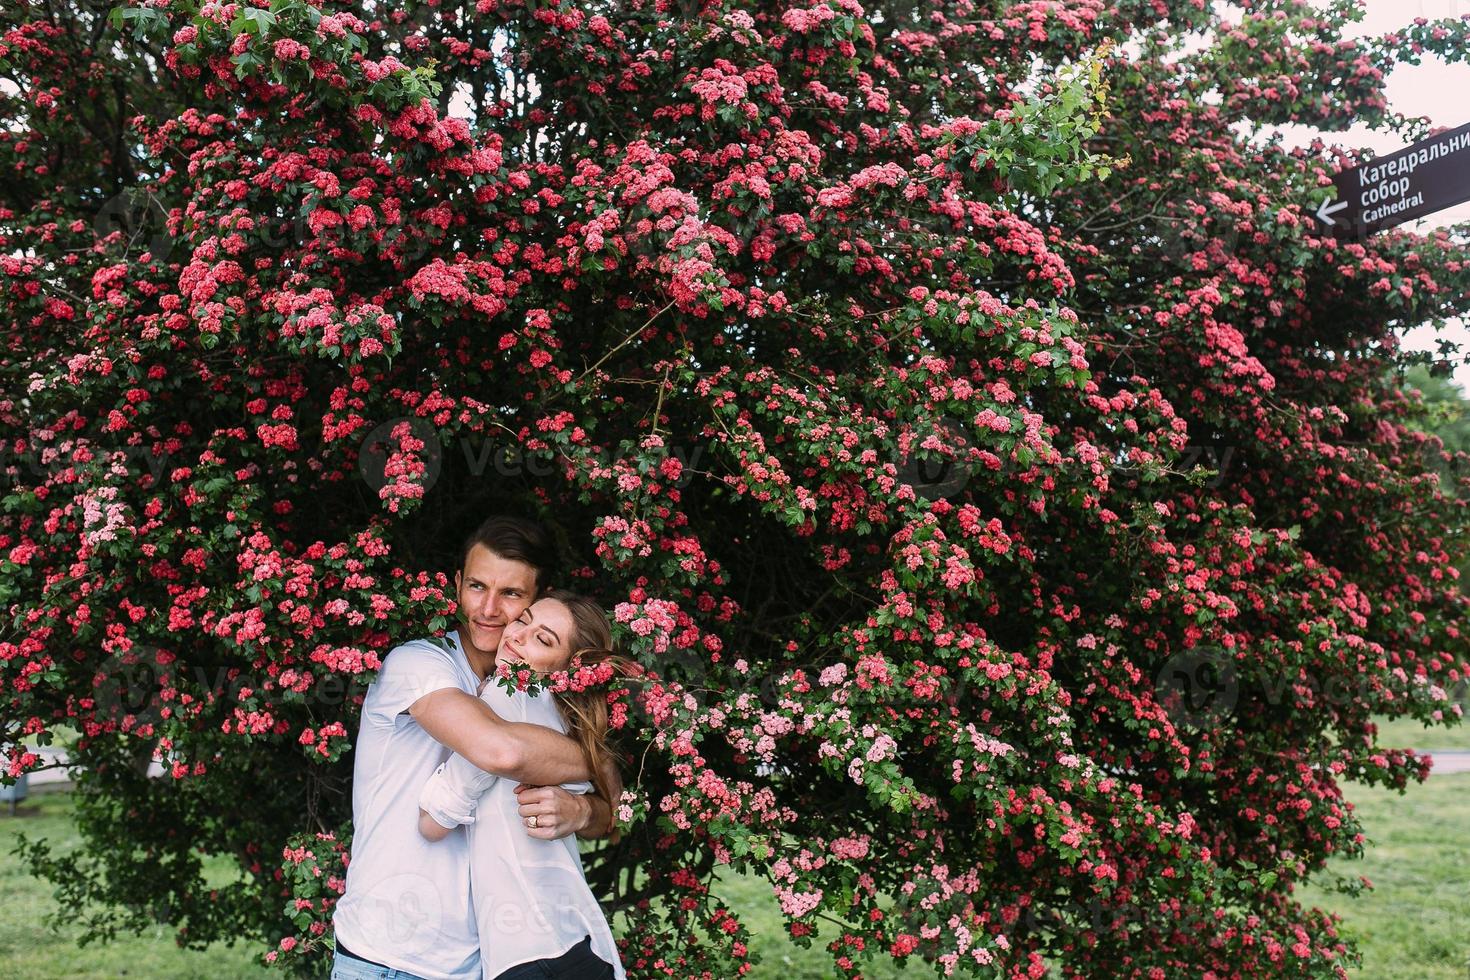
(253, 20)
(146, 20)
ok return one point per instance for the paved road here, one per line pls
(1450, 761)
(59, 775)
(47, 777)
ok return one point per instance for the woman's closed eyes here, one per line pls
(541, 634)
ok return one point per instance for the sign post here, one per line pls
(1429, 176)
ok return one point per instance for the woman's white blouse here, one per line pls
(530, 898)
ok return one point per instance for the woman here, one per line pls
(537, 918)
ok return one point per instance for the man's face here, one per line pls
(492, 592)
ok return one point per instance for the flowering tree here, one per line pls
(985, 452)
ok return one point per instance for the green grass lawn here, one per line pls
(1406, 733)
(1415, 924)
(29, 951)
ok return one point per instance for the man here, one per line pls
(407, 907)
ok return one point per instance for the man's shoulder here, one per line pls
(415, 668)
(437, 644)
(422, 650)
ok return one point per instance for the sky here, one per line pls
(1434, 89)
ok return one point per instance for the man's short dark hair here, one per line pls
(514, 539)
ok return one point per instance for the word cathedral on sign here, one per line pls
(1429, 176)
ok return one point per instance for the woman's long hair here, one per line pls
(586, 712)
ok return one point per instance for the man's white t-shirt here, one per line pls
(530, 896)
(407, 901)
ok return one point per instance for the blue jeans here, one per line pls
(348, 967)
(577, 963)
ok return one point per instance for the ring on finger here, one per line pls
(531, 821)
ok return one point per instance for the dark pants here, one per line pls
(577, 963)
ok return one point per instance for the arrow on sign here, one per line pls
(1325, 213)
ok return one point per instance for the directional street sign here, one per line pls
(1429, 176)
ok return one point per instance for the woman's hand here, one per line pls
(557, 813)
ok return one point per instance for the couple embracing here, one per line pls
(465, 796)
